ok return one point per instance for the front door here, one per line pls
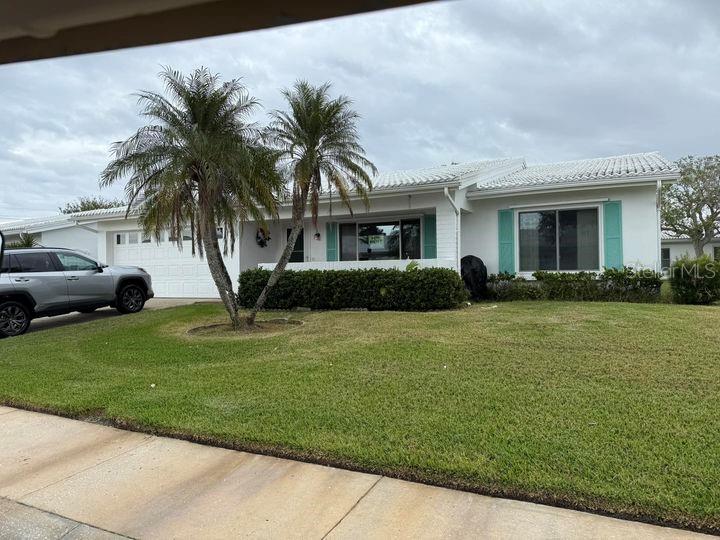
(87, 283)
(298, 254)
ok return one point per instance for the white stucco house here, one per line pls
(675, 247)
(518, 218)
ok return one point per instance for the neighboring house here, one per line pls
(674, 247)
(569, 216)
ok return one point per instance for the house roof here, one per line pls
(629, 167)
(36, 224)
(482, 177)
(101, 212)
(682, 238)
(442, 174)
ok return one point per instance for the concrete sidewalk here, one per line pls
(63, 478)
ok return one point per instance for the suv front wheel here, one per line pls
(131, 299)
(14, 318)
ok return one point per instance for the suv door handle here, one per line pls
(73, 278)
(21, 279)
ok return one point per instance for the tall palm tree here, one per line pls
(317, 142)
(198, 163)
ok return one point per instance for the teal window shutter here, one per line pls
(331, 252)
(612, 231)
(506, 241)
(429, 237)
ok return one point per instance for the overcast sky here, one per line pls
(436, 83)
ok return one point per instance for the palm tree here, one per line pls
(25, 240)
(316, 140)
(198, 163)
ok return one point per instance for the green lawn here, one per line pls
(607, 407)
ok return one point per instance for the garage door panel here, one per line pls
(174, 273)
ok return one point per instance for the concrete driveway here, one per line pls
(46, 323)
(62, 478)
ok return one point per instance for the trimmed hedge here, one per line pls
(375, 289)
(695, 281)
(624, 285)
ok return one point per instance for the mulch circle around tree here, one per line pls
(261, 327)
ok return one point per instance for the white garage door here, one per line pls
(175, 273)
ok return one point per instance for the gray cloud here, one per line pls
(435, 83)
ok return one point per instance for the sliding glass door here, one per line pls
(381, 240)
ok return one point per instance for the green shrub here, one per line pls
(624, 285)
(568, 286)
(695, 281)
(629, 285)
(506, 287)
(420, 289)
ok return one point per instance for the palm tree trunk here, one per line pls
(219, 272)
(297, 226)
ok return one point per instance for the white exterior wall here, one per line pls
(391, 207)
(681, 248)
(448, 232)
(639, 222)
(77, 238)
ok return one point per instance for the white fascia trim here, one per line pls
(635, 182)
(686, 241)
(560, 203)
(390, 192)
(39, 228)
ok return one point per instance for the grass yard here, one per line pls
(606, 407)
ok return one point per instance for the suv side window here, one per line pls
(75, 263)
(10, 264)
(34, 262)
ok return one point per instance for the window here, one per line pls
(383, 240)
(35, 262)
(665, 258)
(186, 235)
(716, 253)
(146, 239)
(75, 263)
(120, 239)
(378, 241)
(348, 242)
(410, 241)
(298, 253)
(559, 240)
(14, 264)
(132, 238)
(219, 233)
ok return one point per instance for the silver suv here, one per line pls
(42, 282)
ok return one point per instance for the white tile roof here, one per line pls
(436, 175)
(683, 238)
(598, 170)
(33, 224)
(490, 175)
(101, 212)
